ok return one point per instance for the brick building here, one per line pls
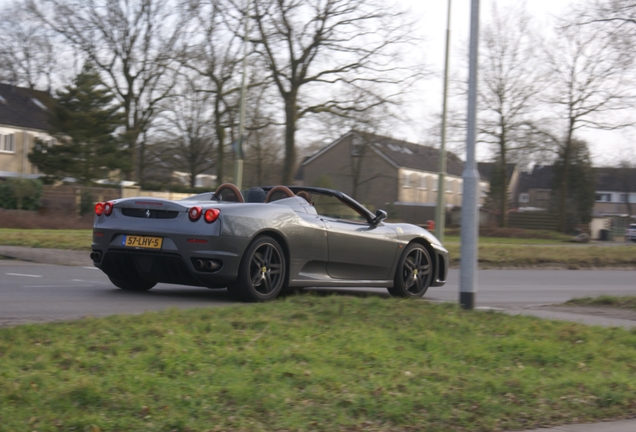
(382, 172)
(23, 119)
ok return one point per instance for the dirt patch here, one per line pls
(604, 311)
(34, 220)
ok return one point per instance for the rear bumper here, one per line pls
(174, 263)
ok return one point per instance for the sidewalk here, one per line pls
(75, 258)
(614, 426)
(47, 256)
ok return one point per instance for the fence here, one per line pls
(534, 220)
(65, 199)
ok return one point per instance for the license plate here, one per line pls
(142, 242)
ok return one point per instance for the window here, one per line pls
(524, 198)
(7, 143)
(624, 197)
(331, 207)
(423, 182)
(450, 185)
(604, 197)
(407, 181)
(356, 146)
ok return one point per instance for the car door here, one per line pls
(360, 251)
(356, 250)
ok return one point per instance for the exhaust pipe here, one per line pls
(199, 264)
(96, 256)
(210, 265)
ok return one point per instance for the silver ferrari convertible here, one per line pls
(261, 242)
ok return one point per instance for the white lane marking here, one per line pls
(23, 275)
(91, 268)
(54, 286)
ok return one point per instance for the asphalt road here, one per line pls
(31, 292)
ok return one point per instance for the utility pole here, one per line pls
(238, 145)
(440, 210)
(470, 199)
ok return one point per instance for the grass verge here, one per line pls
(314, 363)
(68, 239)
(493, 252)
(568, 256)
(625, 302)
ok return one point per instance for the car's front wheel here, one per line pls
(414, 273)
(132, 285)
(261, 274)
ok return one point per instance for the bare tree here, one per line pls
(132, 42)
(263, 152)
(590, 91)
(615, 19)
(510, 84)
(214, 52)
(27, 54)
(186, 132)
(309, 45)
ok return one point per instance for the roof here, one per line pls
(540, 178)
(24, 108)
(615, 179)
(486, 169)
(403, 154)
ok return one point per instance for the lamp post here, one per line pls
(238, 145)
(440, 209)
(470, 200)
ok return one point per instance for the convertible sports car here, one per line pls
(277, 238)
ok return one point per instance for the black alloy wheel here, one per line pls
(262, 271)
(414, 273)
(132, 285)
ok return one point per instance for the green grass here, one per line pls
(569, 256)
(510, 240)
(626, 302)
(493, 252)
(39, 238)
(314, 363)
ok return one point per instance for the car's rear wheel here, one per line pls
(414, 272)
(132, 285)
(262, 271)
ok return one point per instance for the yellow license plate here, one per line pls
(142, 242)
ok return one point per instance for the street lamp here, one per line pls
(470, 200)
(440, 210)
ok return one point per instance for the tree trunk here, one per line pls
(563, 193)
(291, 115)
(503, 192)
(220, 137)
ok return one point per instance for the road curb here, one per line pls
(47, 256)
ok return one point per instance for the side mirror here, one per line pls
(380, 215)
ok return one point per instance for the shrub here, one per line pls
(20, 194)
(87, 201)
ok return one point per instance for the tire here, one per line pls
(132, 285)
(262, 271)
(414, 273)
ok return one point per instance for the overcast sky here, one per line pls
(606, 147)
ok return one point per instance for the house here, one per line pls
(615, 191)
(23, 119)
(382, 172)
(487, 170)
(535, 188)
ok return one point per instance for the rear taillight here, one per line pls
(108, 208)
(195, 213)
(99, 209)
(211, 215)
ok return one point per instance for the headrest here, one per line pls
(256, 195)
